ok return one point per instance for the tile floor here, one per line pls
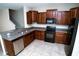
(41, 48)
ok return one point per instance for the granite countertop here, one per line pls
(13, 34)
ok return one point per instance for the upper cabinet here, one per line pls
(51, 13)
(41, 18)
(31, 17)
(63, 17)
(74, 12)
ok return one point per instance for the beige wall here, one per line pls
(59, 6)
(5, 23)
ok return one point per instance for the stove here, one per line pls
(50, 34)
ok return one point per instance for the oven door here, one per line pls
(49, 37)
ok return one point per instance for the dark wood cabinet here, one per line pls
(14, 47)
(51, 13)
(40, 35)
(74, 12)
(62, 37)
(28, 38)
(41, 18)
(31, 17)
(9, 48)
(67, 17)
(63, 17)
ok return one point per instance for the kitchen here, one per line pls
(54, 26)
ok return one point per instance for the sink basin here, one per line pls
(22, 32)
(26, 31)
(8, 34)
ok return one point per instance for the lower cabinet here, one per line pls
(14, 47)
(62, 37)
(28, 39)
(40, 35)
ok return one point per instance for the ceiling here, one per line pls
(36, 5)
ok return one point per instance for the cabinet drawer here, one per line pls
(61, 33)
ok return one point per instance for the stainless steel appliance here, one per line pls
(73, 31)
(18, 46)
(50, 20)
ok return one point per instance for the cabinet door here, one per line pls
(74, 12)
(37, 34)
(39, 18)
(40, 35)
(59, 18)
(62, 37)
(9, 48)
(51, 13)
(67, 18)
(29, 17)
(43, 18)
(28, 39)
(34, 16)
(63, 17)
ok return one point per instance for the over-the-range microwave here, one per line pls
(50, 20)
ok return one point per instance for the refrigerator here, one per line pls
(69, 48)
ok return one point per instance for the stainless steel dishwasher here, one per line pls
(18, 45)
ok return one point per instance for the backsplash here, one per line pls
(53, 25)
